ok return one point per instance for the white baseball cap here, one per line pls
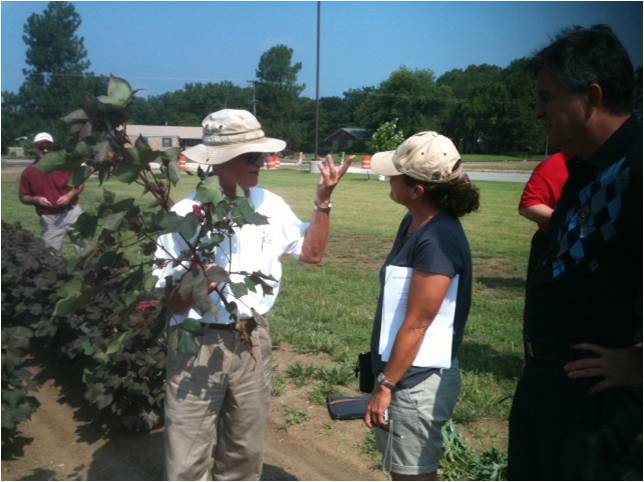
(43, 137)
(426, 156)
(228, 133)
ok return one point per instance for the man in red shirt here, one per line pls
(56, 202)
(540, 197)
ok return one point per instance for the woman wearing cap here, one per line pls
(412, 400)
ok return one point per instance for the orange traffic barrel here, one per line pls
(366, 163)
(182, 163)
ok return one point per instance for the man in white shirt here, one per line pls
(217, 402)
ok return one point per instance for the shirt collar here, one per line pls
(615, 147)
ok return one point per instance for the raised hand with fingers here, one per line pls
(330, 176)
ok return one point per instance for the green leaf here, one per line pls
(187, 343)
(209, 191)
(128, 172)
(100, 151)
(248, 214)
(80, 175)
(58, 161)
(172, 154)
(67, 305)
(119, 91)
(217, 274)
(107, 259)
(108, 197)
(116, 344)
(191, 325)
(135, 279)
(73, 288)
(132, 154)
(173, 223)
(114, 221)
(238, 289)
(86, 225)
(78, 115)
(88, 349)
(174, 173)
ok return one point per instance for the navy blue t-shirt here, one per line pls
(438, 247)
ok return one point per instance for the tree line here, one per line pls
(483, 108)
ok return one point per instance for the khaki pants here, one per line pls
(216, 407)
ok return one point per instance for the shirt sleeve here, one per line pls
(292, 232)
(537, 191)
(437, 254)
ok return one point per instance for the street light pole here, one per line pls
(317, 91)
(254, 98)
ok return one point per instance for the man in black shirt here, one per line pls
(577, 410)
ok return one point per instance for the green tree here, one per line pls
(387, 137)
(277, 95)
(492, 109)
(56, 77)
(52, 44)
(411, 96)
(188, 106)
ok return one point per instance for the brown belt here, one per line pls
(555, 353)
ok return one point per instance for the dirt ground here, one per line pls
(64, 441)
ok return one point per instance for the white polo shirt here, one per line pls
(252, 248)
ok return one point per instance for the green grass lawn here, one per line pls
(329, 308)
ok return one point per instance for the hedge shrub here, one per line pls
(122, 377)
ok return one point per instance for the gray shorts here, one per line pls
(414, 443)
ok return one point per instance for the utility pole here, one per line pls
(317, 92)
(254, 98)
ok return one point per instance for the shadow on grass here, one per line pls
(485, 359)
(502, 283)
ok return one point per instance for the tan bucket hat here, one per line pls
(228, 133)
(426, 156)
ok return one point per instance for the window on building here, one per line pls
(167, 142)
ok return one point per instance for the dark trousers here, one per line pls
(538, 246)
(559, 432)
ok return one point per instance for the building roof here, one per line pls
(183, 132)
(355, 132)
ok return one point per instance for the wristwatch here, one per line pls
(321, 209)
(381, 379)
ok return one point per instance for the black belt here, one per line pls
(555, 353)
(221, 326)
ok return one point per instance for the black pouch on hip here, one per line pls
(347, 408)
(364, 372)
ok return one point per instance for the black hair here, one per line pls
(457, 197)
(580, 57)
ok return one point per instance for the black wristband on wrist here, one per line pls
(319, 208)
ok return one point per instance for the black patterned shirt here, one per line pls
(588, 285)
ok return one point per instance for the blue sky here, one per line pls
(160, 46)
